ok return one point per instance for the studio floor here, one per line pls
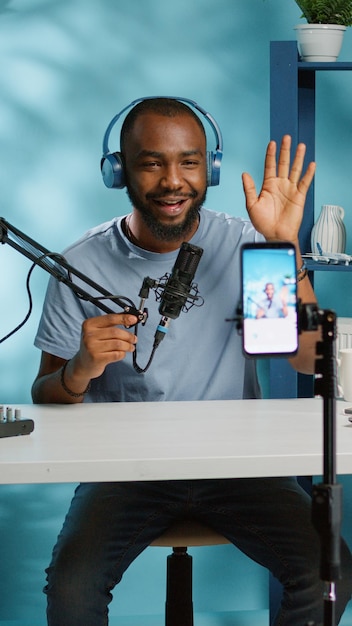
(236, 618)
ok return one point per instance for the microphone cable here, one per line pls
(30, 308)
(52, 255)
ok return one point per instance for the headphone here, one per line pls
(111, 164)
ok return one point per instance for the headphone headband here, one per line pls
(112, 165)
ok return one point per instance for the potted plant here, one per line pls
(320, 39)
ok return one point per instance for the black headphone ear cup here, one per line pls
(112, 171)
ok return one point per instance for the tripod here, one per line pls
(327, 496)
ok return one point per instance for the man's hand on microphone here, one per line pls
(104, 341)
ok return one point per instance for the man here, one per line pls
(86, 355)
(272, 306)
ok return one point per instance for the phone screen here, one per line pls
(269, 299)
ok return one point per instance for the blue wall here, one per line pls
(67, 66)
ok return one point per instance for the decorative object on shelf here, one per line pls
(321, 38)
(344, 333)
(329, 232)
(344, 373)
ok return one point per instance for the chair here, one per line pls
(180, 536)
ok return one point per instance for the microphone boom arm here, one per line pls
(56, 265)
(176, 292)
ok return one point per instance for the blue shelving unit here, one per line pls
(292, 111)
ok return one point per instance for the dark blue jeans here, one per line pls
(110, 524)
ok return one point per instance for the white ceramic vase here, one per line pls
(319, 42)
(329, 232)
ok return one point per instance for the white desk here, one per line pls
(173, 440)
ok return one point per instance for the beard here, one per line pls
(168, 232)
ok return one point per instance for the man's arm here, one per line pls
(304, 361)
(277, 214)
(103, 341)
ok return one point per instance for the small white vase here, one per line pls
(319, 42)
(329, 232)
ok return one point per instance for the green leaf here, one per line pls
(326, 11)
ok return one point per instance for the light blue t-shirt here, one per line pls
(200, 357)
(272, 308)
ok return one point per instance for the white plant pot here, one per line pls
(319, 42)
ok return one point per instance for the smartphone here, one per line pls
(269, 299)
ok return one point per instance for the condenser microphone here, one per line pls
(177, 290)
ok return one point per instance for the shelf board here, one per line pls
(314, 266)
(332, 66)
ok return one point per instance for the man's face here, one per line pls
(269, 290)
(165, 160)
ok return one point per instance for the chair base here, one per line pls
(179, 601)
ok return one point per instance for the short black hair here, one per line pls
(168, 107)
